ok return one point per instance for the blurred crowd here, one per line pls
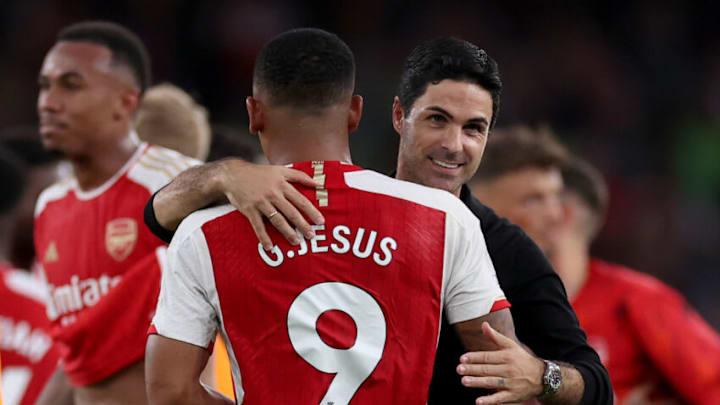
(634, 87)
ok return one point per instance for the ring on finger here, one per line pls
(272, 214)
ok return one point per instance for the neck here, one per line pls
(106, 159)
(304, 139)
(571, 261)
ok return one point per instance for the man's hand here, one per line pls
(259, 191)
(511, 370)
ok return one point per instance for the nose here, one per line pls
(48, 100)
(452, 139)
(553, 209)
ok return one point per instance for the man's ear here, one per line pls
(128, 105)
(256, 114)
(398, 116)
(356, 109)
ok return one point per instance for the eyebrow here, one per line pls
(64, 76)
(445, 112)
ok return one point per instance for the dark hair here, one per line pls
(305, 67)
(24, 142)
(449, 58)
(586, 182)
(13, 174)
(127, 49)
(518, 147)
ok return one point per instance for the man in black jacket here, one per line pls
(447, 104)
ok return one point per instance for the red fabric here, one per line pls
(646, 333)
(28, 356)
(255, 298)
(84, 244)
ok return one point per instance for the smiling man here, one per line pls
(447, 103)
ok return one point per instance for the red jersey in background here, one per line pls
(102, 264)
(648, 337)
(28, 356)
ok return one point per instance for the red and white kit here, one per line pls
(102, 265)
(349, 317)
(28, 356)
(648, 337)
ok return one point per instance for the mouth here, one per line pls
(446, 165)
(48, 127)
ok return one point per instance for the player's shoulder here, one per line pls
(54, 192)
(22, 283)
(635, 283)
(195, 221)
(441, 200)
(157, 166)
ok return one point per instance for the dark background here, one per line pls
(634, 86)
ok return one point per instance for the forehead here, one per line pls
(459, 98)
(531, 180)
(86, 58)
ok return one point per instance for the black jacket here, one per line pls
(543, 317)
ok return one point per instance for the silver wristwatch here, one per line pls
(552, 380)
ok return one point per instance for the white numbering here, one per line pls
(14, 383)
(353, 365)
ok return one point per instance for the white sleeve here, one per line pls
(472, 288)
(186, 310)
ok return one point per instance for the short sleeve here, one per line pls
(472, 288)
(186, 310)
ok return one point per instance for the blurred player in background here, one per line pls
(102, 266)
(656, 347)
(29, 358)
(43, 168)
(437, 119)
(169, 117)
(415, 251)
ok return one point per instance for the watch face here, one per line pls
(555, 378)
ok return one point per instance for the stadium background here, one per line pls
(634, 86)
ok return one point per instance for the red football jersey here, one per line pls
(29, 358)
(349, 317)
(648, 337)
(102, 265)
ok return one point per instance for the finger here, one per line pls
(296, 176)
(278, 221)
(500, 397)
(258, 226)
(498, 338)
(483, 370)
(487, 357)
(305, 205)
(294, 217)
(489, 383)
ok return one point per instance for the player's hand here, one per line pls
(510, 370)
(258, 191)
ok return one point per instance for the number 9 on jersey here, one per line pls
(351, 366)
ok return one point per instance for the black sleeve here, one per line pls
(152, 222)
(543, 317)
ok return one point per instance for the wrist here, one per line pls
(551, 381)
(222, 176)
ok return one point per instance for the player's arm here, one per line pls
(172, 373)
(57, 391)
(683, 347)
(474, 305)
(499, 362)
(255, 190)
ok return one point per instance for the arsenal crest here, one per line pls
(120, 237)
